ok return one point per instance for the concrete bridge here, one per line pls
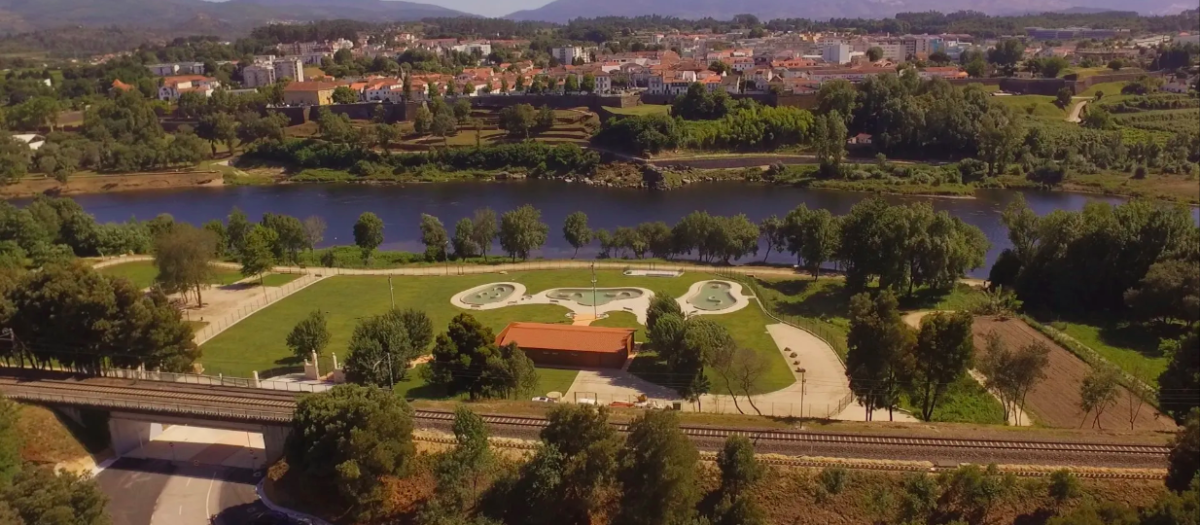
(139, 409)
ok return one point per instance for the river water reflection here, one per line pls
(400, 207)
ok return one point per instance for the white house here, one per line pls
(175, 86)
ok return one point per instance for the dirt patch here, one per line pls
(1055, 401)
(31, 187)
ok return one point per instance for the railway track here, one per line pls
(799, 437)
(912, 466)
(274, 405)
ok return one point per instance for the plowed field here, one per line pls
(1055, 401)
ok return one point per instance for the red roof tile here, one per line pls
(565, 337)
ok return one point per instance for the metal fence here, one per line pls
(218, 380)
(244, 310)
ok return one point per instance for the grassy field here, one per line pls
(1109, 89)
(258, 343)
(644, 109)
(1043, 106)
(965, 401)
(1131, 347)
(142, 274)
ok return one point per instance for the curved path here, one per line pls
(1076, 110)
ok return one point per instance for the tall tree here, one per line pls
(576, 231)
(464, 239)
(10, 441)
(1181, 377)
(1184, 459)
(522, 231)
(218, 128)
(467, 359)
(1097, 392)
(661, 303)
(344, 440)
(310, 336)
(657, 473)
(368, 233)
(382, 347)
(943, 353)
(256, 256)
(878, 342)
(40, 495)
(1011, 374)
(819, 234)
(434, 237)
(484, 222)
(70, 315)
(237, 227)
(740, 472)
(314, 231)
(183, 257)
(773, 233)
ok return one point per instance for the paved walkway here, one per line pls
(1077, 109)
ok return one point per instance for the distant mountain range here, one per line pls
(18, 16)
(232, 17)
(564, 10)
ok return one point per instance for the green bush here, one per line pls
(833, 479)
(1064, 485)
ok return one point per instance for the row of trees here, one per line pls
(354, 444)
(359, 156)
(69, 315)
(52, 229)
(1139, 255)
(652, 474)
(519, 231)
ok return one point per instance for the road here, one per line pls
(158, 492)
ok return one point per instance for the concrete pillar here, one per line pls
(128, 436)
(256, 383)
(274, 438)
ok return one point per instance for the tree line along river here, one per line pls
(401, 206)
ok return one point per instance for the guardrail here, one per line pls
(217, 380)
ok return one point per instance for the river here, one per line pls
(400, 206)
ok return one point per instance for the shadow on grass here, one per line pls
(1143, 338)
(805, 298)
(648, 366)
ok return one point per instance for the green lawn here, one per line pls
(1043, 106)
(642, 110)
(1109, 89)
(279, 279)
(623, 320)
(257, 343)
(965, 401)
(142, 273)
(1131, 347)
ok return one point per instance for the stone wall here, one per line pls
(591, 101)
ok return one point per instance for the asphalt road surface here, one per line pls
(160, 492)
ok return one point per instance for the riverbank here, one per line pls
(667, 174)
(33, 186)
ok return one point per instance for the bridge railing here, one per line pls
(217, 380)
(158, 407)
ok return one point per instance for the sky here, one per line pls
(487, 7)
(493, 8)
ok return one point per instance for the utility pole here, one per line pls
(392, 292)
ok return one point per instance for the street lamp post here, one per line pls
(595, 311)
(803, 387)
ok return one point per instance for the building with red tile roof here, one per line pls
(568, 345)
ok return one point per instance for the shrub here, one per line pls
(833, 479)
(1064, 485)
